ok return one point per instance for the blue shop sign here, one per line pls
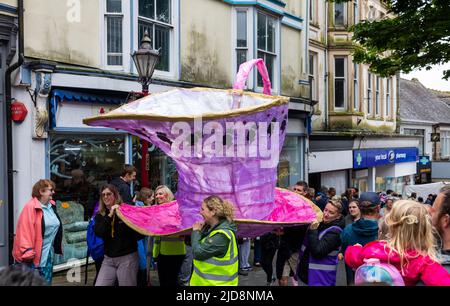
(380, 157)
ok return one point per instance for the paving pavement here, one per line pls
(256, 277)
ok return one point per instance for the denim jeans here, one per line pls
(244, 254)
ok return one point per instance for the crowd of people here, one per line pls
(411, 235)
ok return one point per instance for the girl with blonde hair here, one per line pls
(163, 195)
(168, 251)
(410, 246)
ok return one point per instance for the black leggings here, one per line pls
(267, 256)
(168, 268)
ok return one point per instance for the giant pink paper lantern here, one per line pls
(190, 120)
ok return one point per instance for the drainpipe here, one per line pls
(9, 142)
(326, 66)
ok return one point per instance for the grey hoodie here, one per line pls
(444, 257)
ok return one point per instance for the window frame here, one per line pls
(314, 76)
(174, 38)
(250, 42)
(445, 143)
(344, 13)
(345, 58)
(275, 80)
(377, 96)
(236, 29)
(369, 104)
(125, 38)
(356, 98)
(355, 12)
(388, 98)
(313, 11)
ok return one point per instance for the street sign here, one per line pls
(435, 137)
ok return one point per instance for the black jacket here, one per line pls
(291, 240)
(57, 243)
(270, 241)
(124, 190)
(320, 248)
(125, 239)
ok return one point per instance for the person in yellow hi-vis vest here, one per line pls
(168, 251)
(214, 245)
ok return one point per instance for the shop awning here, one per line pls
(59, 95)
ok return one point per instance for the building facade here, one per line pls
(431, 125)
(356, 109)
(78, 64)
(8, 46)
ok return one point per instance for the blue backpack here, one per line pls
(94, 243)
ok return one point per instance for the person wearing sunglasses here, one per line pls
(121, 260)
(39, 231)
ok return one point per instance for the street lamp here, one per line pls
(145, 60)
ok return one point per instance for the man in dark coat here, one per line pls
(123, 183)
(363, 230)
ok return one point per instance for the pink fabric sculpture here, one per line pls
(223, 142)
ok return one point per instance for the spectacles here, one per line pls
(107, 194)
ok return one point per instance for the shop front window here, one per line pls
(360, 180)
(79, 165)
(290, 166)
(361, 184)
(161, 168)
(397, 184)
(380, 184)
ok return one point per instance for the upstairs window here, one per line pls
(339, 82)
(155, 17)
(114, 35)
(355, 87)
(267, 26)
(241, 38)
(339, 14)
(369, 94)
(388, 97)
(355, 12)
(377, 96)
(313, 74)
(313, 11)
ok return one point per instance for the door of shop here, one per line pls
(3, 177)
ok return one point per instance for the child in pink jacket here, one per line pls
(410, 246)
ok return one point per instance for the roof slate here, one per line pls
(418, 103)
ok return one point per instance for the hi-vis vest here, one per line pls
(322, 271)
(171, 245)
(217, 271)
